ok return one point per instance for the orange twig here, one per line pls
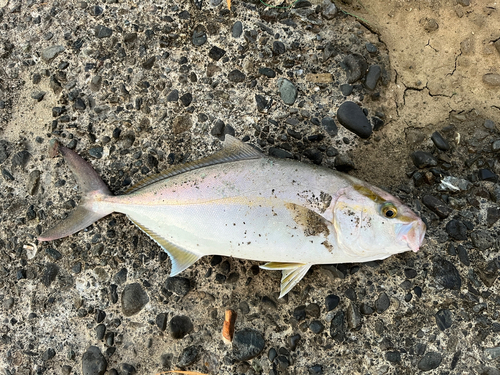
(228, 327)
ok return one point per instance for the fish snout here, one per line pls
(412, 233)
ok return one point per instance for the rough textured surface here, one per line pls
(135, 87)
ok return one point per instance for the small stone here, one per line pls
(173, 96)
(49, 274)
(96, 152)
(93, 362)
(48, 354)
(492, 215)
(330, 126)
(261, 102)
(278, 48)
(299, 313)
(346, 89)
(371, 48)
(199, 35)
(186, 99)
(316, 370)
(247, 344)
(33, 182)
(128, 369)
(355, 66)
(329, 10)
(446, 274)
(180, 326)
(353, 316)
(394, 357)
(20, 159)
(178, 285)
(463, 256)
(134, 298)
(456, 230)
(437, 206)
(102, 31)
(293, 341)
(161, 321)
(236, 76)
(430, 361)
(382, 303)
(237, 29)
(422, 159)
(100, 330)
(482, 240)
(337, 328)
(50, 53)
(188, 356)
(268, 72)
(440, 142)
(149, 63)
(38, 95)
(279, 153)
(316, 326)
(492, 353)
(331, 302)
(430, 24)
(450, 183)
(372, 77)
(352, 117)
(491, 79)
(314, 155)
(344, 163)
(487, 175)
(53, 253)
(216, 53)
(443, 319)
(288, 91)
(489, 371)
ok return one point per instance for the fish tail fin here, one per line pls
(94, 190)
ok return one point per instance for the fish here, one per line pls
(241, 203)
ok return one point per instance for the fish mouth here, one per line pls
(412, 233)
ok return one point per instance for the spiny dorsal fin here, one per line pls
(234, 150)
(180, 258)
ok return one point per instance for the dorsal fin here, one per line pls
(234, 150)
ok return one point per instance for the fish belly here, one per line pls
(236, 229)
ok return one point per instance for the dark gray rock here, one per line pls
(188, 356)
(355, 66)
(330, 126)
(20, 159)
(353, 316)
(268, 72)
(121, 276)
(430, 361)
(331, 302)
(180, 326)
(102, 31)
(247, 344)
(128, 369)
(149, 63)
(440, 142)
(50, 53)
(492, 215)
(352, 117)
(446, 275)
(134, 298)
(444, 319)
(456, 230)
(279, 153)
(4, 150)
(38, 95)
(96, 152)
(100, 331)
(382, 303)
(394, 357)
(237, 29)
(261, 102)
(373, 76)
(346, 89)
(314, 155)
(93, 362)
(337, 327)
(186, 99)
(463, 256)
(236, 76)
(178, 285)
(328, 10)
(216, 53)
(288, 91)
(437, 206)
(482, 240)
(487, 175)
(49, 274)
(316, 326)
(278, 48)
(48, 354)
(161, 321)
(173, 96)
(199, 35)
(423, 159)
(371, 48)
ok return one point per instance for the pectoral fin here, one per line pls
(291, 274)
(180, 258)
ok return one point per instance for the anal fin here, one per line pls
(180, 258)
(291, 274)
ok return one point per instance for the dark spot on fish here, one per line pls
(309, 221)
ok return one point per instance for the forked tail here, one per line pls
(89, 210)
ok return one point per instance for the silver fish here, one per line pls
(241, 203)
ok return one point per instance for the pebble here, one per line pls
(268, 72)
(299, 313)
(247, 344)
(173, 96)
(430, 25)
(278, 48)
(437, 206)
(446, 274)
(316, 370)
(456, 230)
(337, 328)
(463, 256)
(161, 321)
(188, 356)
(100, 330)
(353, 316)
(96, 152)
(491, 79)
(49, 274)
(178, 285)
(99, 315)
(38, 95)
(103, 32)
(50, 53)
(330, 126)
(440, 142)
(316, 326)
(487, 175)
(482, 240)
(331, 302)
(492, 215)
(293, 341)
(346, 89)
(186, 99)
(329, 10)
(236, 76)
(450, 183)
(93, 362)
(489, 371)
(237, 29)
(48, 354)
(180, 326)
(33, 182)
(394, 357)
(422, 159)
(216, 53)
(430, 361)
(20, 159)
(371, 48)
(492, 353)
(355, 66)
(382, 303)
(279, 153)
(373, 76)
(121, 276)
(134, 298)
(444, 319)
(352, 117)
(288, 91)
(128, 369)
(199, 35)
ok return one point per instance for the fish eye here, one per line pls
(389, 210)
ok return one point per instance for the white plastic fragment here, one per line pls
(31, 250)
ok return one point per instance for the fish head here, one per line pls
(371, 224)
